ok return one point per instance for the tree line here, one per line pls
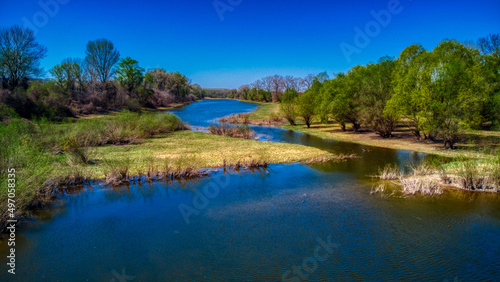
(267, 89)
(101, 81)
(437, 93)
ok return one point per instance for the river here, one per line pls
(291, 221)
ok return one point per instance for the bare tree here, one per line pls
(277, 83)
(243, 88)
(257, 84)
(268, 83)
(307, 81)
(470, 44)
(289, 82)
(489, 44)
(297, 85)
(101, 57)
(20, 56)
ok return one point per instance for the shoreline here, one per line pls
(177, 154)
(465, 161)
(332, 131)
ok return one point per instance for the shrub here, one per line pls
(237, 131)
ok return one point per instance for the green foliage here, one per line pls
(129, 74)
(41, 151)
(176, 83)
(69, 75)
(288, 105)
(375, 90)
(452, 95)
(408, 99)
(346, 106)
(6, 112)
(306, 105)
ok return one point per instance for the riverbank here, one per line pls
(474, 165)
(479, 144)
(183, 150)
(172, 106)
(48, 155)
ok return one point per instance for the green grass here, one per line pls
(265, 111)
(45, 153)
(42, 152)
(189, 149)
(483, 140)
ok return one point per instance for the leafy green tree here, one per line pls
(346, 105)
(306, 106)
(288, 105)
(175, 83)
(20, 56)
(408, 99)
(69, 74)
(452, 91)
(490, 79)
(129, 73)
(375, 90)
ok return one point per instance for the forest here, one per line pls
(438, 94)
(101, 81)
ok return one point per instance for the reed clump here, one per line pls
(243, 118)
(236, 131)
(412, 185)
(389, 172)
(478, 175)
(45, 154)
(245, 165)
(430, 178)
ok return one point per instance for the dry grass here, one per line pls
(476, 175)
(328, 158)
(188, 149)
(236, 119)
(236, 131)
(430, 179)
(266, 115)
(389, 172)
(420, 185)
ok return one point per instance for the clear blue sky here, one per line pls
(255, 39)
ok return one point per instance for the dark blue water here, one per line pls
(290, 222)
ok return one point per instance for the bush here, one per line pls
(236, 131)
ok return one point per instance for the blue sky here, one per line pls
(255, 38)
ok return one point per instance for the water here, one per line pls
(256, 226)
